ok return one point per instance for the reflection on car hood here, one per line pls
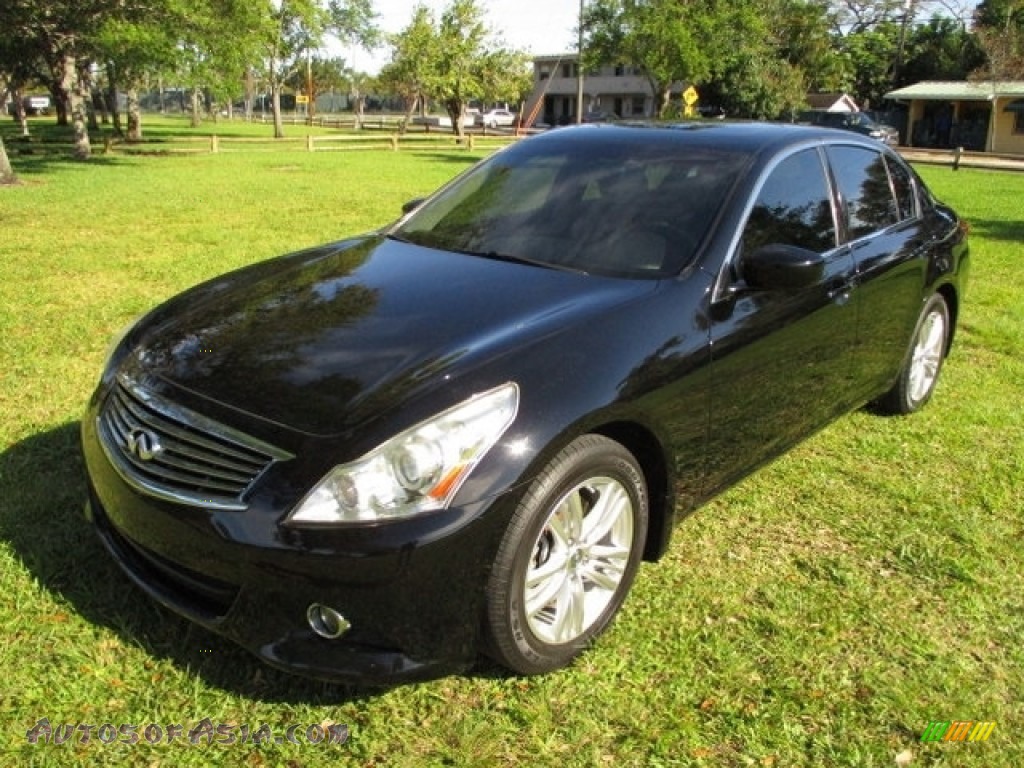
(319, 341)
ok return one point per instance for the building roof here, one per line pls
(959, 90)
(552, 56)
(836, 102)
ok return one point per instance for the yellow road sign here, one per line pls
(690, 96)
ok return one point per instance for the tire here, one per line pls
(568, 556)
(920, 372)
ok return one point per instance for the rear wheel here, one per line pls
(920, 372)
(568, 557)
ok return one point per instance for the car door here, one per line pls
(780, 358)
(887, 241)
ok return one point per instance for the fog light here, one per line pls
(326, 621)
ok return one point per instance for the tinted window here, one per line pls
(864, 185)
(626, 209)
(904, 189)
(793, 207)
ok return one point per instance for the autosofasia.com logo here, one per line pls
(958, 730)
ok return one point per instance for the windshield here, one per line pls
(621, 208)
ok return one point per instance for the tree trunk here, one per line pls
(111, 100)
(360, 105)
(99, 106)
(6, 172)
(196, 117)
(72, 86)
(250, 93)
(134, 114)
(454, 109)
(19, 110)
(275, 106)
(63, 83)
(84, 82)
(664, 97)
(412, 102)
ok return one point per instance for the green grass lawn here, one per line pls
(820, 614)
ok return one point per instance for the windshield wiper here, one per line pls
(493, 255)
(514, 259)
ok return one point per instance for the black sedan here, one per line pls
(375, 459)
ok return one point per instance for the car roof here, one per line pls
(753, 138)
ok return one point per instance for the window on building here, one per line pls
(569, 70)
(1018, 122)
(544, 73)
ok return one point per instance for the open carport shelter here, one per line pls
(985, 116)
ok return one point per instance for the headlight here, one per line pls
(417, 471)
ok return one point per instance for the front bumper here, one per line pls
(412, 590)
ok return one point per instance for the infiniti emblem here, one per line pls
(144, 445)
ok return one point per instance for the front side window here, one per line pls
(863, 182)
(793, 207)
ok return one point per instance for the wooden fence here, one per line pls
(361, 140)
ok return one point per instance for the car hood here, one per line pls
(321, 340)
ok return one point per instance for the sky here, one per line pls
(534, 26)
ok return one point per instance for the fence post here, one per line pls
(214, 143)
(470, 142)
(394, 143)
(309, 142)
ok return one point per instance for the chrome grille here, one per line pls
(174, 453)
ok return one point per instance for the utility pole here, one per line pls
(579, 71)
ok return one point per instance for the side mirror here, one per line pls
(780, 267)
(412, 205)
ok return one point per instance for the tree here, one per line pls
(323, 76)
(941, 49)
(456, 76)
(289, 29)
(452, 60)
(408, 72)
(668, 40)
(999, 26)
(133, 51)
(354, 22)
(59, 33)
(358, 85)
(801, 32)
(505, 76)
(774, 51)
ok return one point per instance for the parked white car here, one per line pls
(493, 118)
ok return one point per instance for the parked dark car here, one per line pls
(858, 122)
(374, 459)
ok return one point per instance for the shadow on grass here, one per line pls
(33, 158)
(1005, 229)
(42, 493)
(457, 157)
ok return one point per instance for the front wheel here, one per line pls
(568, 557)
(920, 372)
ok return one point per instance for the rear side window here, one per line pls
(863, 182)
(793, 207)
(903, 187)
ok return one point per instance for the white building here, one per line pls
(614, 91)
